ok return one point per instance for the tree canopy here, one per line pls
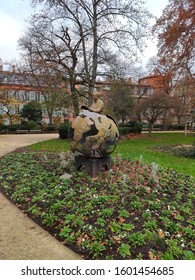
(120, 101)
(81, 36)
(176, 34)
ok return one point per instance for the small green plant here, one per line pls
(146, 216)
(69, 218)
(124, 250)
(115, 227)
(136, 205)
(174, 248)
(151, 225)
(189, 232)
(101, 222)
(107, 212)
(49, 219)
(189, 255)
(35, 210)
(98, 234)
(136, 239)
(127, 227)
(65, 232)
(78, 222)
(153, 205)
(96, 249)
(124, 214)
(70, 240)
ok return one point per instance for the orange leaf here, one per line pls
(161, 233)
(79, 241)
(121, 220)
(151, 255)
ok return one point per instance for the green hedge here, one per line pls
(63, 130)
(130, 127)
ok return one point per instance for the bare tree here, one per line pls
(153, 107)
(184, 99)
(76, 33)
(49, 46)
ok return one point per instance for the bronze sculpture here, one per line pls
(93, 137)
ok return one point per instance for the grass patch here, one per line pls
(133, 211)
(54, 145)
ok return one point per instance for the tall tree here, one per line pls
(32, 111)
(9, 104)
(91, 27)
(120, 100)
(184, 99)
(176, 35)
(48, 45)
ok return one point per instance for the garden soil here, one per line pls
(20, 237)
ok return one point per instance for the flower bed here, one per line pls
(133, 211)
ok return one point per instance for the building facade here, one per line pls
(16, 90)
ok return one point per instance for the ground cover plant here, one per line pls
(186, 151)
(133, 211)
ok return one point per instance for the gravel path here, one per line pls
(20, 237)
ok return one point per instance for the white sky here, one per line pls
(12, 25)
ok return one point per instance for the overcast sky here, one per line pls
(13, 14)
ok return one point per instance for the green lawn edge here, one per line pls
(140, 148)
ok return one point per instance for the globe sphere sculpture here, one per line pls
(93, 135)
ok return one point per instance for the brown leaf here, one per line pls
(151, 255)
(161, 233)
(116, 238)
(121, 220)
(79, 241)
(148, 190)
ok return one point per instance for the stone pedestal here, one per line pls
(93, 165)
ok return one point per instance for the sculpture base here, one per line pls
(92, 165)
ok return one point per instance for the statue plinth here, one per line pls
(92, 165)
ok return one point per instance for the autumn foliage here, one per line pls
(176, 34)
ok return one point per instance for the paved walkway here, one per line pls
(20, 237)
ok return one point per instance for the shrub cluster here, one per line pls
(169, 127)
(50, 127)
(63, 130)
(130, 127)
(25, 125)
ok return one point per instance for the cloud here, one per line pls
(9, 33)
(12, 22)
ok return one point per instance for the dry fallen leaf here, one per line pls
(121, 220)
(151, 255)
(79, 241)
(161, 233)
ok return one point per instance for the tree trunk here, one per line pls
(150, 129)
(186, 128)
(90, 97)
(50, 118)
(75, 102)
(10, 119)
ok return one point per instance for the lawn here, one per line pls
(140, 148)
